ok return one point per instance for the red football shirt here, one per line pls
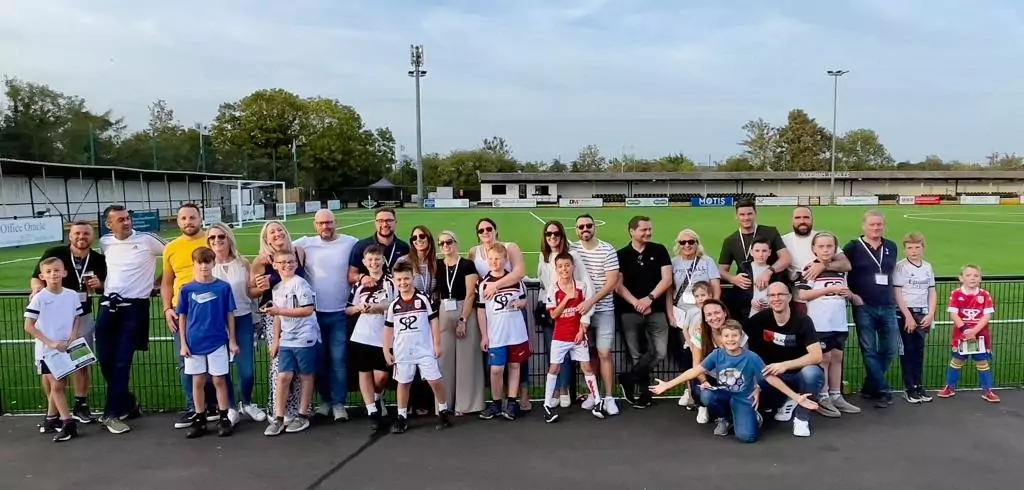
(971, 307)
(567, 325)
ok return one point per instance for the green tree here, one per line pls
(860, 149)
(997, 161)
(674, 163)
(803, 144)
(589, 160)
(762, 144)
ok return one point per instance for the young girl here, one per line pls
(826, 298)
(971, 308)
(690, 327)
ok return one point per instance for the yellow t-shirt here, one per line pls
(178, 257)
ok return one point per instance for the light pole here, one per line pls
(417, 72)
(835, 74)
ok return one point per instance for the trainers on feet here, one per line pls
(233, 417)
(722, 427)
(884, 400)
(376, 421)
(550, 414)
(275, 427)
(911, 396)
(323, 410)
(588, 403)
(254, 412)
(687, 399)
(628, 388)
(947, 392)
(197, 428)
(49, 425)
(564, 401)
(511, 410)
(826, 408)
(844, 406)
(493, 410)
(66, 432)
(610, 407)
(339, 413)
(225, 428)
(923, 395)
(785, 412)
(116, 426)
(444, 419)
(212, 415)
(703, 416)
(401, 425)
(298, 424)
(82, 414)
(645, 400)
(184, 420)
(990, 396)
(598, 411)
(801, 428)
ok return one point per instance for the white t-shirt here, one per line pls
(236, 274)
(131, 263)
(369, 329)
(828, 312)
(55, 315)
(302, 331)
(414, 338)
(327, 269)
(800, 252)
(505, 325)
(688, 272)
(598, 262)
(914, 281)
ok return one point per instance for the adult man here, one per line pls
(385, 221)
(122, 326)
(177, 271)
(645, 274)
(798, 244)
(602, 265)
(327, 254)
(87, 271)
(736, 249)
(873, 260)
(788, 345)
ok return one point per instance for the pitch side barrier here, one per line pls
(155, 378)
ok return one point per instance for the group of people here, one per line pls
(446, 326)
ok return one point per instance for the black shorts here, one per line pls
(43, 368)
(832, 341)
(367, 358)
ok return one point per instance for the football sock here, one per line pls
(953, 372)
(371, 408)
(985, 377)
(403, 412)
(549, 389)
(442, 407)
(591, 381)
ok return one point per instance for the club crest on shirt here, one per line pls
(417, 304)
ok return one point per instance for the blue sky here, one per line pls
(647, 77)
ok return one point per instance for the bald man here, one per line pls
(803, 263)
(327, 263)
(788, 344)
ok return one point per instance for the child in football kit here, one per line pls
(914, 285)
(295, 343)
(563, 299)
(734, 400)
(971, 308)
(367, 347)
(206, 311)
(412, 341)
(52, 319)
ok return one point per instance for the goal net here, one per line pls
(237, 202)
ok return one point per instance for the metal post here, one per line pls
(92, 146)
(835, 74)
(417, 72)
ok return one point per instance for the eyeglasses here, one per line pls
(384, 221)
(446, 243)
(551, 234)
(211, 238)
(418, 236)
(486, 229)
(285, 262)
(585, 226)
(687, 242)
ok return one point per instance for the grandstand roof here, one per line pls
(733, 176)
(32, 168)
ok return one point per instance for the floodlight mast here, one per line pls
(835, 74)
(417, 72)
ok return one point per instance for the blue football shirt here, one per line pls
(207, 306)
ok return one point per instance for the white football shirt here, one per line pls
(296, 332)
(55, 315)
(131, 263)
(327, 269)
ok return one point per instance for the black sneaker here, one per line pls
(82, 414)
(49, 425)
(224, 428)
(550, 414)
(212, 415)
(598, 411)
(66, 432)
(511, 411)
(400, 426)
(884, 400)
(628, 388)
(185, 420)
(923, 395)
(376, 421)
(911, 396)
(134, 414)
(493, 410)
(644, 400)
(444, 419)
(197, 428)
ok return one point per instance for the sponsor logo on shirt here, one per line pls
(779, 339)
(204, 297)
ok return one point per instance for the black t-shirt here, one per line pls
(456, 275)
(95, 262)
(396, 250)
(779, 343)
(641, 273)
(736, 249)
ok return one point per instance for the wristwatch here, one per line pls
(462, 320)
(650, 297)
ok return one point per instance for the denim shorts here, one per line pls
(299, 360)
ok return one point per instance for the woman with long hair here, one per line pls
(714, 314)
(553, 242)
(487, 237)
(462, 367)
(423, 258)
(274, 237)
(232, 268)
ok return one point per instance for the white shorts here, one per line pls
(578, 352)
(405, 372)
(216, 363)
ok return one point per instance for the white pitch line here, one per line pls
(18, 260)
(538, 218)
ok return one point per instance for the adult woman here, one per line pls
(552, 243)
(713, 316)
(462, 367)
(232, 268)
(423, 258)
(690, 266)
(275, 238)
(487, 236)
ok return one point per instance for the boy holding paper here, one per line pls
(971, 308)
(52, 319)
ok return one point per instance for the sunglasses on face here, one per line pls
(687, 242)
(445, 243)
(486, 229)
(214, 238)
(418, 236)
(551, 234)
(585, 226)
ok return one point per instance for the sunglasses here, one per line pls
(418, 236)
(486, 229)
(551, 234)
(211, 238)
(585, 226)
(445, 243)
(687, 242)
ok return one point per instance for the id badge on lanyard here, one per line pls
(881, 278)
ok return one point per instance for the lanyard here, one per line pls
(85, 266)
(689, 275)
(450, 279)
(391, 256)
(881, 253)
(743, 243)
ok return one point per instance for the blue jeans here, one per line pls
(245, 361)
(738, 408)
(186, 382)
(807, 381)
(567, 369)
(877, 334)
(332, 373)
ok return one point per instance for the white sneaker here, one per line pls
(324, 410)
(233, 417)
(687, 399)
(703, 416)
(589, 403)
(254, 412)
(801, 428)
(785, 412)
(339, 413)
(610, 407)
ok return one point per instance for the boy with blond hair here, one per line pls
(914, 282)
(971, 309)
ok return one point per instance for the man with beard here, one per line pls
(122, 327)
(327, 253)
(177, 271)
(87, 271)
(385, 223)
(802, 262)
(736, 249)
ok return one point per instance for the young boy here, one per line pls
(206, 314)
(503, 334)
(701, 293)
(914, 281)
(826, 297)
(563, 299)
(52, 318)
(367, 347)
(739, 372)
(296, 335)
(412, 340)
(760, 250)
(971, 308)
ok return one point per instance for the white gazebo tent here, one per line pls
(244, 206)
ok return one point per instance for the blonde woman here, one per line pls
(274, 237)
(232, 268)
(461, 363)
